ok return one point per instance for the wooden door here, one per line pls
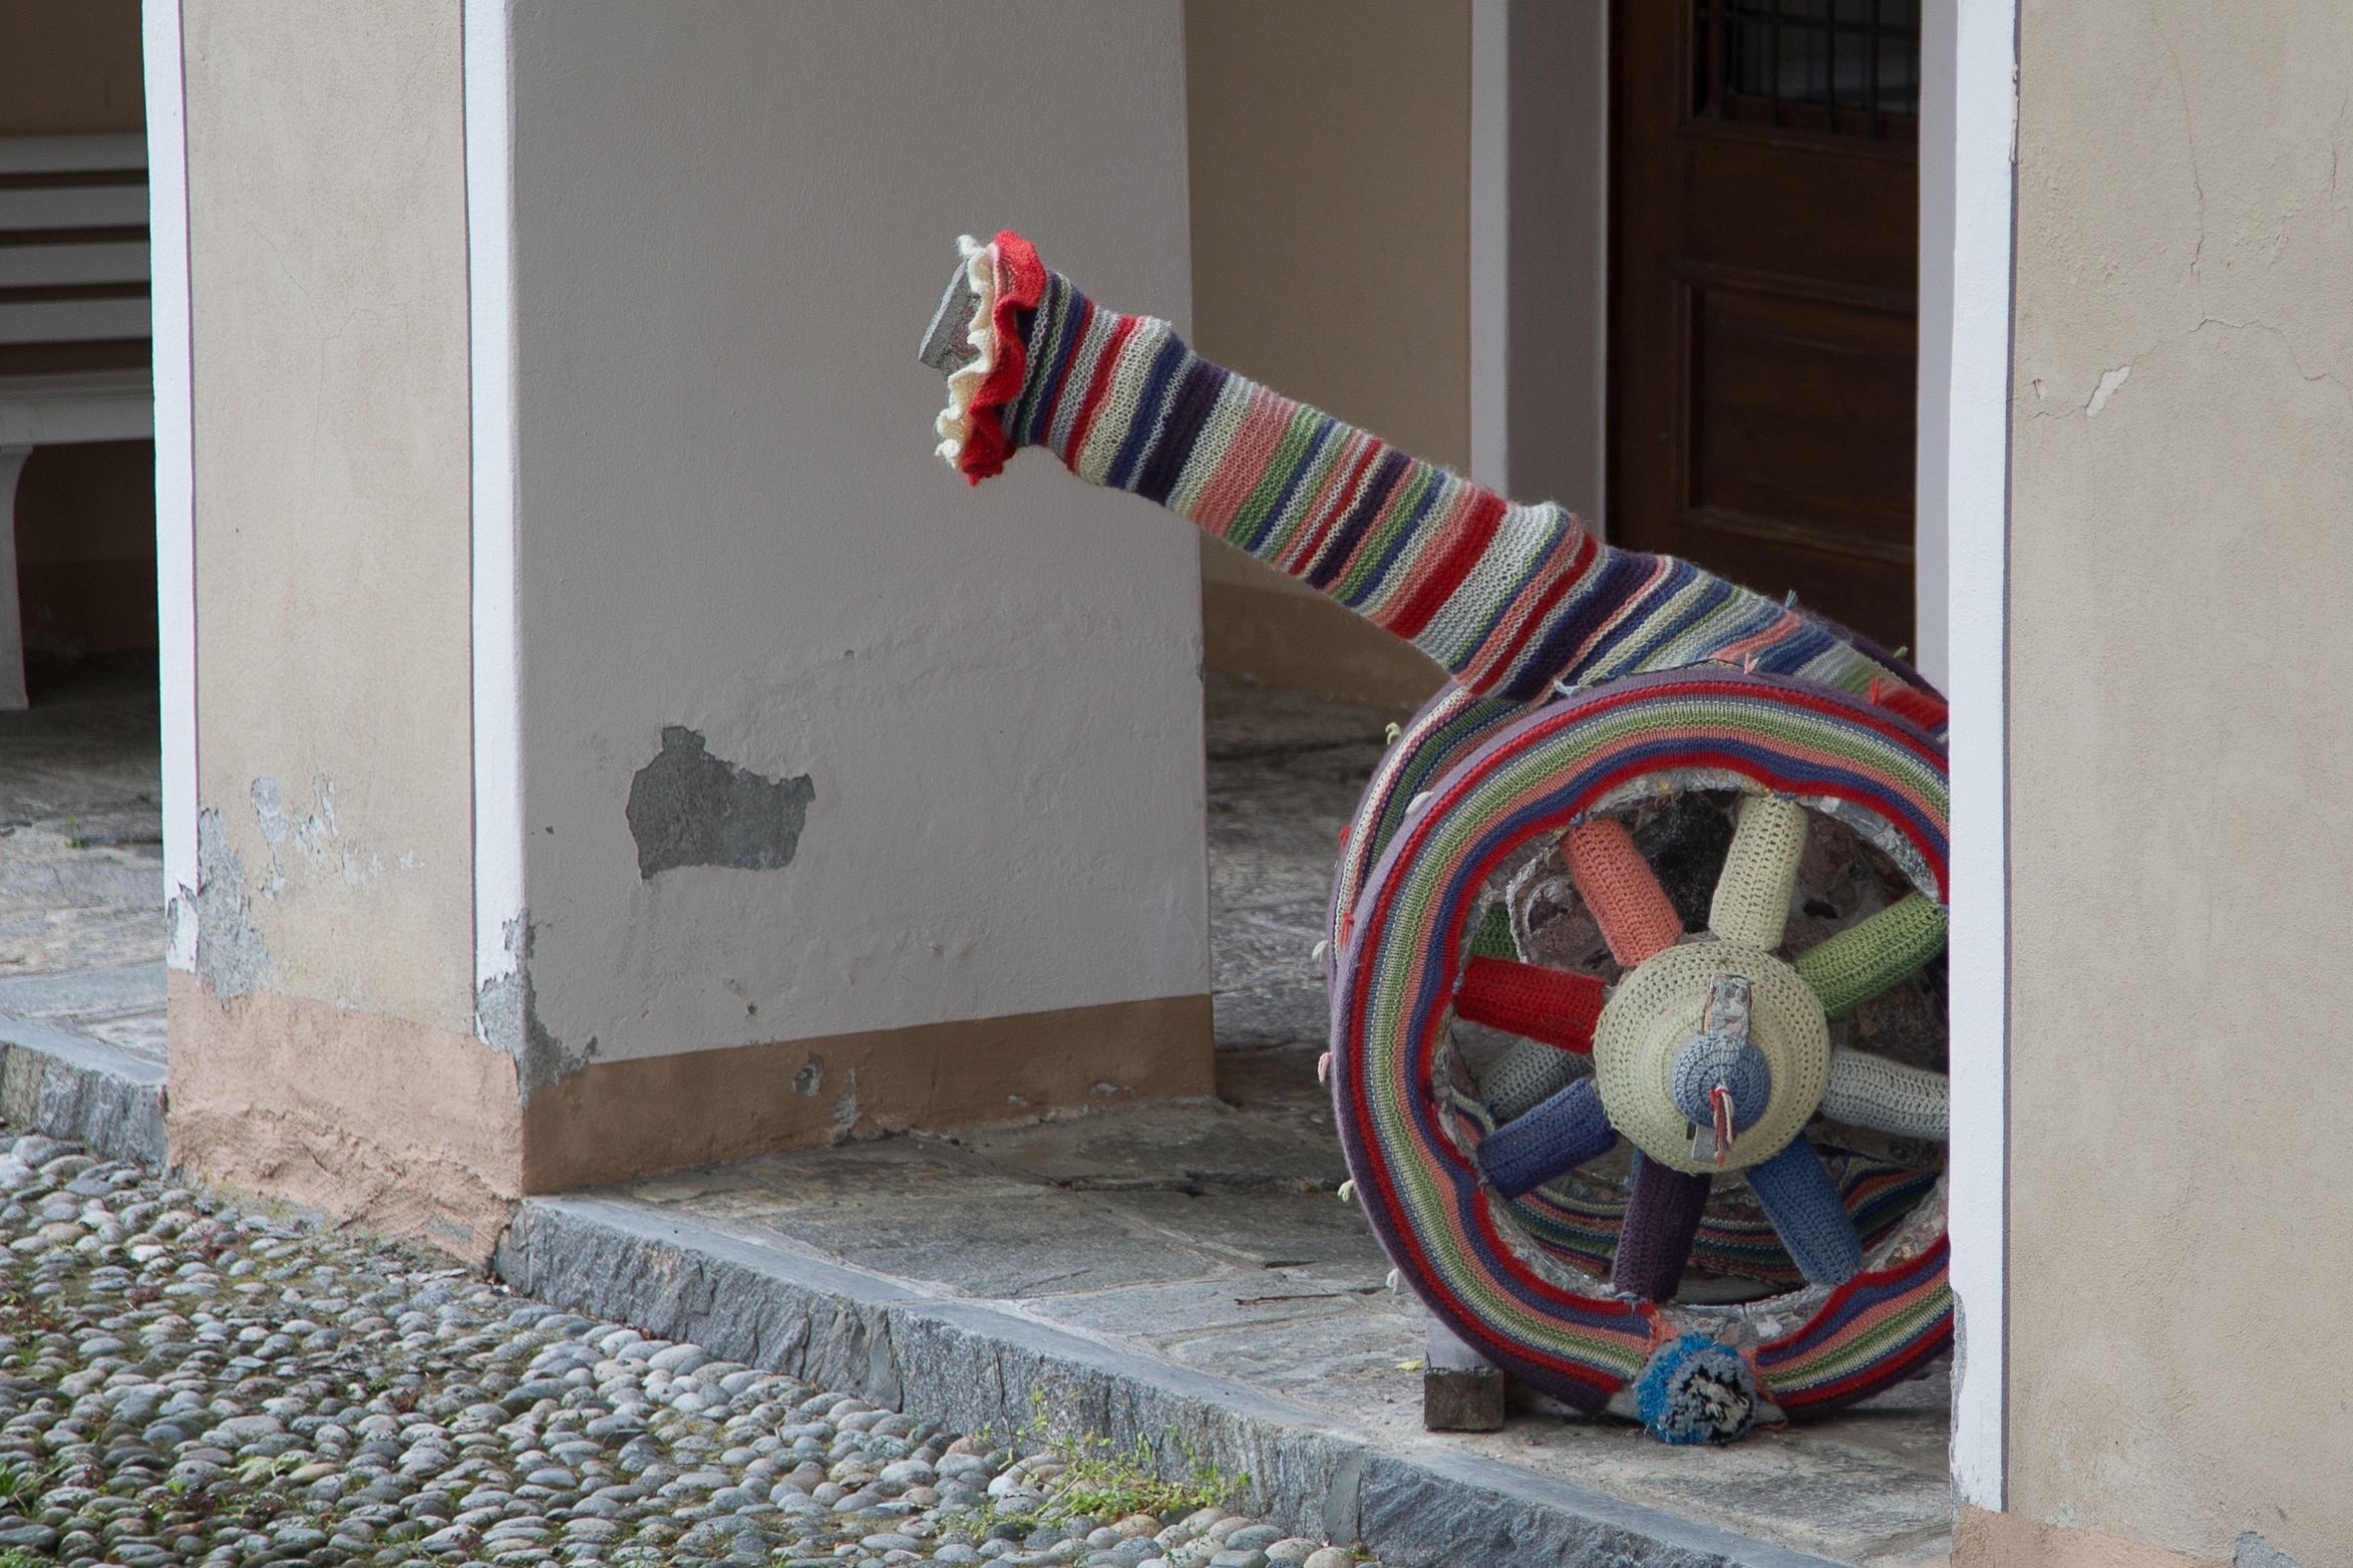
(1763, 272)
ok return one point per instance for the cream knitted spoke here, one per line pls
(1873, 956)
(1760, 872)
(1887, 1097)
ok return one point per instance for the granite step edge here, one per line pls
(967, 1363)
(72, 1087)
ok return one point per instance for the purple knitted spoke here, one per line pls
(1662, 1217)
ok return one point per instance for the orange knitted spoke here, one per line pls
(1760, 872)
(1620, 889)
(1555, 1006)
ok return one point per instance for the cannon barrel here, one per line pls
(1511, 599)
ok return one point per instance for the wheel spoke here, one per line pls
(1872, 1092)
(1526, 1075)
(1872, 956)
(1803, 1203)
(1555, 1006)
(1635, 916)
(1548, 1143)
(1662, 1217)
(1760, 872)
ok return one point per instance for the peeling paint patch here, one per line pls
(688, 808)
(2106, 390)
(507, 1014)
(230, 957)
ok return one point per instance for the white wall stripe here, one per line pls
(497, 701)
(1983, 36)
(176, 488)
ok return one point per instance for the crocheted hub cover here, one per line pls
(1652, 1013)
(1470, 785)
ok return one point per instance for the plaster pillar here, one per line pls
(620, 744)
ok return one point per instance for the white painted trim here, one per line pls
(491, 328)
(1491, 242)
(1983, 78)
(176, 464)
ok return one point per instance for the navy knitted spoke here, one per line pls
(1803, 1203)
(1554, 1138)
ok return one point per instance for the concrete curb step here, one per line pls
(68, 1086)
(966, 1362)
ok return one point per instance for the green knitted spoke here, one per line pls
(1870, 956)
(1492, 939)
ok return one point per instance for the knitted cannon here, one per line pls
(1636, 941)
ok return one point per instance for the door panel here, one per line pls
(1764, 268)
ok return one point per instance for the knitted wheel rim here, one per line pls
(1471, 783)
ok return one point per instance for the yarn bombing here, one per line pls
(1511, 599)
(1581, 673)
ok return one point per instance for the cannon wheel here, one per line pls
(1469, 789)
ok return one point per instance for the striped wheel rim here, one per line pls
(1455, 1243)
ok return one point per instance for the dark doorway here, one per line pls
(1764, 270)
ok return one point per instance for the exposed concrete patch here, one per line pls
(2255, 1552)
(507, 1011)
(401, 1128)
(966, 1362)
(811, 1078)
(230, 957)
(688, 808)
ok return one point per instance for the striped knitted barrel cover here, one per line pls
(1469, 1253)
(1530, 615)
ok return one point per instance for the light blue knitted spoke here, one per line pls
(1804, 1207)
(1562, 1133)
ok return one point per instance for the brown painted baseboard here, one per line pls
(415, 1131)
(1292, 639)
(614, 1119)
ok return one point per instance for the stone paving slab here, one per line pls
(1177, 1244)
(1419, 1503)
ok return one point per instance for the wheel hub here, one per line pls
(1662, 1007)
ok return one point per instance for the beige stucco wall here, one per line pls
(732, 222)
(327, 238)
(2182, 766)
(1330, 147)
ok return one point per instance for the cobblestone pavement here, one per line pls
(184, 1381)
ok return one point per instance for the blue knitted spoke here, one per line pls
(1551, 1141)
(1804, 1207)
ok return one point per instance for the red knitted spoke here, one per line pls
(1555, 1006)
(1618, 885)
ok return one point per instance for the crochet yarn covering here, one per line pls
(1583, 677)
